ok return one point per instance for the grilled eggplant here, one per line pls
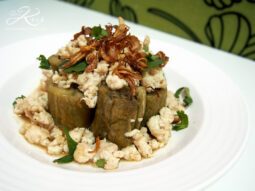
(115, 115)
(154, 102)
(67, 108)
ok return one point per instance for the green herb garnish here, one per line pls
(77, 68)
(98, 32)
(64, 159)
(153, 61)
(44, 63)
(15, 101)
(71, 148)
(70, 142)
(184, 121)
(187, 100)
(100, 163)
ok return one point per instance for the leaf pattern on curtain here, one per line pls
(117, 9)
(221, 4)
(231, 31)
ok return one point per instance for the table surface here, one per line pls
(58, 17)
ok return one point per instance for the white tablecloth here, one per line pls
(58, 17)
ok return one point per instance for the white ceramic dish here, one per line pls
(193, 158)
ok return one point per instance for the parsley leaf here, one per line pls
(98, 32)
(65, 159)
(70, 142)
(44, 63)
(184, 121)
(153, 61)
(77, 68)
(187, 100)
(100, 163)
(71, 148)
(15, 101)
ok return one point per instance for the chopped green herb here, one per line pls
(100, 163)
(77, 68)
(98, 32)
(65, 159)
(184, 121)
(153, 61)
(44, 63)
(15, 101)
(70, 142)
(71, 148)
(187, 100)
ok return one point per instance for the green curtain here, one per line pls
(224, 24)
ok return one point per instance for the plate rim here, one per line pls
(231, 163)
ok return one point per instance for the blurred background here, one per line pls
(224, 24)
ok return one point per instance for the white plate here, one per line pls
(193, 159)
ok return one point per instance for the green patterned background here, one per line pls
(223, 24)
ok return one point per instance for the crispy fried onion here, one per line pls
(84, 31)
(136, 60)
(129, 75)
(92, 60)
(81, 54)
(163, 57)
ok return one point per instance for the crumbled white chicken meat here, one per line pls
(55, 132)
(106, 152)
(47, 74)
(34, 108)
(42, 118)
(88, 84)
(173, 103)
(83, 152)
(154, 79)
(114, 82)
(77, 134)
(112, 163)
(158, 128)
(88, 137)
(166, 114)
(36, 135)
(72, 47)
(63, 81)
(56, 147)
(131, 153)
(90, 96)
(102, 68)
(140, 140)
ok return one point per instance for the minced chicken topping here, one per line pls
(42, 131)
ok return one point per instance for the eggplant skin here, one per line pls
(141, 98)
(115, 115)
(154, 102)
(67, 108)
